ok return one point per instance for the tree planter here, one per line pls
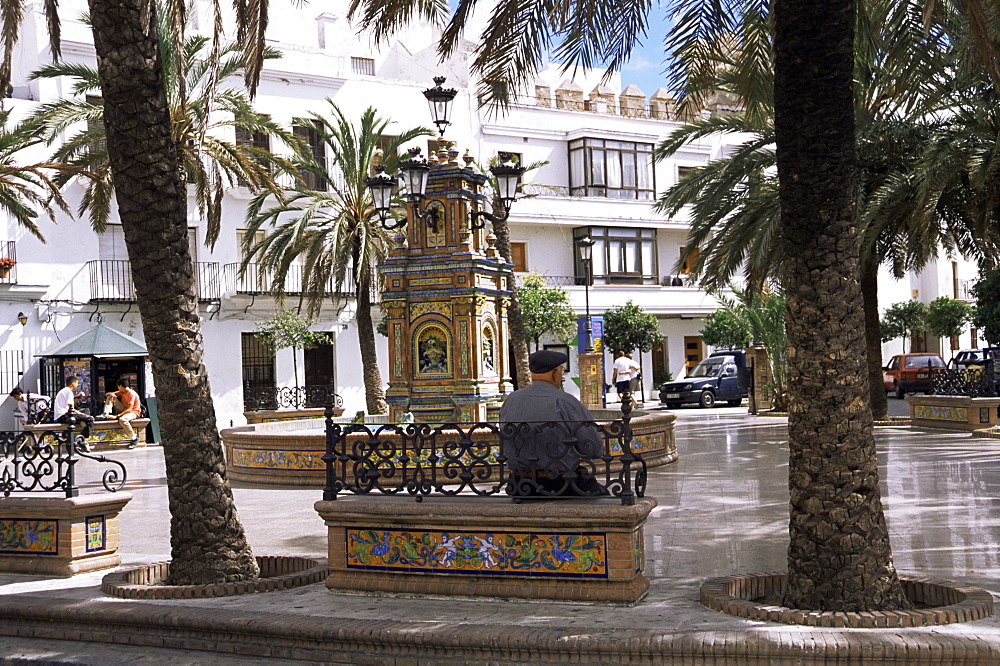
(953, 412)
(60, 536)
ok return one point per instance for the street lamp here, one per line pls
(413, 170)
(22, 318)
(439, 100)
(586, 247)
(508, 176)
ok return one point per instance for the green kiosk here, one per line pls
(99, 357)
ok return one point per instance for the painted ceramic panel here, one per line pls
(95, 533)
(489, 352)
(646, 443)
(442, 308)
(937, 413)
(38, 537)
(271, 459)
(493, 553)
(432, 346)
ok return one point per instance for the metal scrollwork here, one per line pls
(290, 397)
(556, 459)
(46, 462)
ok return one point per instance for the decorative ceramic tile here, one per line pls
(397, 352)
(429, 282)
(545, 554)
(645, 443)
(463, 345)
(442, 308)
(95, 533)
(273, 459)
(38, 537)
(936, 413)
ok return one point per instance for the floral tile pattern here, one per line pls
(276, 459)
(935, 413)
(494, 553)
(38, 537)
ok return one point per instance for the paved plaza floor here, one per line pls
(723, 509)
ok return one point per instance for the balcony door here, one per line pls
(320, 370)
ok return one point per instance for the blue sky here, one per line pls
(647, 63)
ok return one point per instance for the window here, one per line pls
(363, 66)
(683, 171)
(606, 168)
(95, 125)
(111, 243)
(258, 367)
(621, 255)
(519, 256)
(690, 262)
(241, 234)
(306, 129)
(257, 140)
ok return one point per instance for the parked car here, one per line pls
(907, 373)
(721, 376)
(974, 357)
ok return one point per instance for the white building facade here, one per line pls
(599, 179)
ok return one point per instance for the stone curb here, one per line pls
(949, 603)
(276, 573)
(293, 636)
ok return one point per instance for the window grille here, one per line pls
(363, 66)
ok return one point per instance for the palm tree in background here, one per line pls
(27, 189)
(734, 201)
(202, 109)
(334, 231)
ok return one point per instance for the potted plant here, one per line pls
(6, 263)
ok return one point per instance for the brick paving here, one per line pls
(722, 511)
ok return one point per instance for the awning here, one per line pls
(100, 342)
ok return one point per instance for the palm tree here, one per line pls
(735, 200)
(26, 189)
(200, 109)
(336, 231)
(208, 542)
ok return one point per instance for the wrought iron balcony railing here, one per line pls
(111, 281)
(290, 397)
(8, 274)
(256, 280)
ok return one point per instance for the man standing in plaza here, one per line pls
(124, 405)
(63, 409)
(623, 372)
(546, 434)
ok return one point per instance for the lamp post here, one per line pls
(586, 246)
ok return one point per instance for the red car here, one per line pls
(907, 373)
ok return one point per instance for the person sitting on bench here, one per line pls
(554, 433)
(124, 405)
(64, 409)
(31, 407)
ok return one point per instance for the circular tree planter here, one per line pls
(276, 573)
(938, 602)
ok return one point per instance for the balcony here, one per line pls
(111, 281)
(7, 251)
(256, 281)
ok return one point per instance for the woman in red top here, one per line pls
(125, 405)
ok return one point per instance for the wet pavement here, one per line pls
(723, 509)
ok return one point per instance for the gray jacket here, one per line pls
(554, 430)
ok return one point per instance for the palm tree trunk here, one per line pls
(374, 389)
(208, 544)
(515, 320)
(839, 557)
(873, 342)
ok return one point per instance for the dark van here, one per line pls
(722, 376)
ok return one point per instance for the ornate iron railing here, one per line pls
(978, 382)
(290, 397)
(46, 462)
(532, 460)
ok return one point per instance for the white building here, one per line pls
(597, 139)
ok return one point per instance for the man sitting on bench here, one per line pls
(554, 433)
(123, 405)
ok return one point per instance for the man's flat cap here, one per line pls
(546, 360)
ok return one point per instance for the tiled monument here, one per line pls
(445, 300)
